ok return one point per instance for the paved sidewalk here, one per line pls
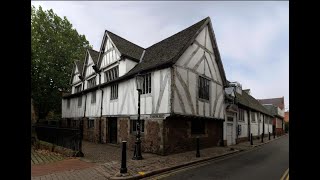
(103, 162)
(257, 142)
(101, 153)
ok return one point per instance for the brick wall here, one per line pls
(151, 138)
(178, 137)
(123, 132)
(104, 131)
(279, 131)
(91, 134)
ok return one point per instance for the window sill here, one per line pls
(134, 133)
(146, 95)
(203, 100)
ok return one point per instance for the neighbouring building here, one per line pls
(286, 116)
(245, 115)
(277, 107)
(182, 98)
(286, 121)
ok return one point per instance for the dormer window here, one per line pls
(91, 82)
(111, 74)
(77, 88)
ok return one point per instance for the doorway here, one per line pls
(113, 129)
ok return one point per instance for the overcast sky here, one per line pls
(252, 36)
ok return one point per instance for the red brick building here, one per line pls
(277, 106)
(286, 116)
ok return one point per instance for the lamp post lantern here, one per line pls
(137, 149)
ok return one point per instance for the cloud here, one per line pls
(253, 37)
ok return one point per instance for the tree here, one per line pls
(55, 44)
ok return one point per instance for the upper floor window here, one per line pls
(114, 92)
(111, 74)
(93, 97)
(91, 82)
(253, 117)
(79, 101)
(77, 88)
(203, 88)
(241, 114)
(146, 87)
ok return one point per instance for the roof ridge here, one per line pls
(125, 39)
(179, 32)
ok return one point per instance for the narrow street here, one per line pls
(267, 162)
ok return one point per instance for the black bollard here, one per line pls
(274, 135)
(198, 151)
(123, 168)
(269, 136)
(262, 137)
(251, 139)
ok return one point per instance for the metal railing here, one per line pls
(68, 137)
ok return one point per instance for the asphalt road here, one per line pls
(267, 162)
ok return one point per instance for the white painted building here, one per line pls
(182, 98)
(248, 117)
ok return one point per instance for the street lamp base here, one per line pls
(137, 152)
(137, 158)
(123, 170)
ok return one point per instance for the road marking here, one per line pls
(199, 164)
(196, 165)
(286, 174)
(287, 177)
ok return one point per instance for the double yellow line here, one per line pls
(285, 176)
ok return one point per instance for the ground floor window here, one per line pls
(134, 125)
(197, 126)
(90, 123)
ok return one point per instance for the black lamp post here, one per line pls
(137, 149)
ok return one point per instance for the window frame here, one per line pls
(91, 82)
(203, 88)
(253, 116)
(90, 123)
(78, 88)
(241, 115)
(111, 74)
(93, 94)
(79, 101)
(114, 91)
(133, 125)
(147, 83)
